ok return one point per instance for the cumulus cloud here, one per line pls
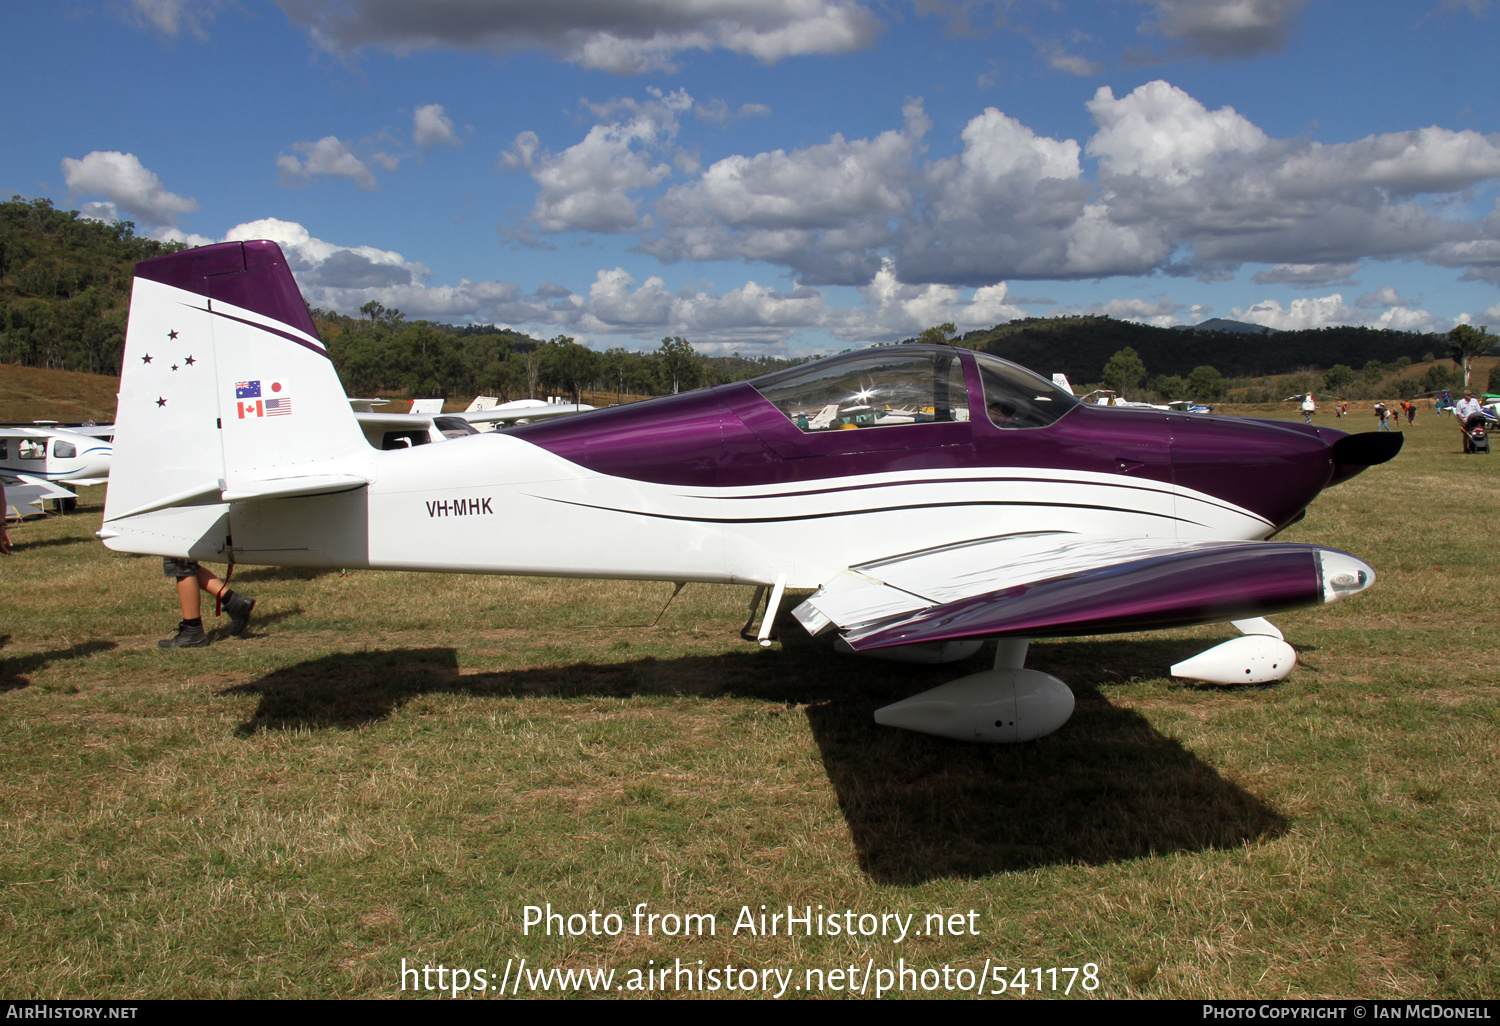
(588, 186)
(1213, 190)
(1385, 296)
(752, 315)
(1158, 131)
(1161, 312)
(126, 184)
(718, 112)
(431, 127)
(331, 156)
(823, 210)
(892, 309)
(1176, 188)
(622, 36)
(1059, 59)
(170, 17)
(1325, 311)
(1014, 204)
(344, 278)
(1306, 275)
(1224, 29)
(99, 210)
(167, 234)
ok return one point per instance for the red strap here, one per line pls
(219, 598)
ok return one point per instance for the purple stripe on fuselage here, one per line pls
(942, 480)
(923, 482)
(251, 275)
(869, 509)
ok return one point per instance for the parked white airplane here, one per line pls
(56, 454)
(426, 421)
(1065, 519)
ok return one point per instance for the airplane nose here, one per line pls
(1343, 575)
(1354, 453)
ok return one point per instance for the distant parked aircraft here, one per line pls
(63, 455)
(427, 423)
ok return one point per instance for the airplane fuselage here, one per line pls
(718, 485)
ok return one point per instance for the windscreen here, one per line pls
(874, 388)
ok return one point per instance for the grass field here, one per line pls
(393, 766)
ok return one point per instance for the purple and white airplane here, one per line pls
(930, 497)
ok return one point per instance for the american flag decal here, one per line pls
(278, 407)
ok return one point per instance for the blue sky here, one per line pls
(791, 176)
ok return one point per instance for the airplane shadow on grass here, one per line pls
(13, 671)
(46, 543)
(1107, 787)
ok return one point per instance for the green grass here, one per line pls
(392, 766)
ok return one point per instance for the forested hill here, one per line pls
(65, 286)
(1080, 346)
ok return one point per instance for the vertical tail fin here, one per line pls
(226, 390)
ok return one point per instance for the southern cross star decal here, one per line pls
(189, 361)
(174, 366)
(146, 358)
(160, 403)
(171, 334)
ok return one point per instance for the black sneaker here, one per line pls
(187, 636)
(238, 607)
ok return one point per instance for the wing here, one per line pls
(23, 489)
(523, 409)
(1052, 583)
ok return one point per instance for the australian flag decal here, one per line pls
(247, 389)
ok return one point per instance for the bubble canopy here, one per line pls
(900, 385)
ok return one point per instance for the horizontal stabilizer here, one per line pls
(289, 487)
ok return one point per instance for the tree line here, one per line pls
(380, 353)
(1081, 346)
(1125, 373)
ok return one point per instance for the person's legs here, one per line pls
(190, 630)
(187, 597)
(236, 605)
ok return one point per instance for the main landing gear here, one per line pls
(1009, 703)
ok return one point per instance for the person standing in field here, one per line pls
(1308, 408)
(1381, 416)
(1466, 407)
(191, 577)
